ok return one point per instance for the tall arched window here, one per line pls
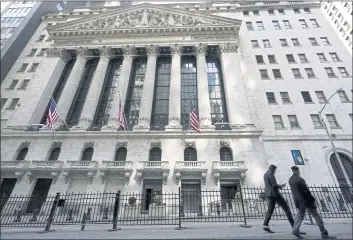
(225, 154)
(155, 154)
(22, 154)
(87, 154)
(348, 168)
(54, 154)
(190, 154)
(120, 154)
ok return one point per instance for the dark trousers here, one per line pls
(313, 212)
(271, 207)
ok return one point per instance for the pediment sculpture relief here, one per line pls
(144, 18)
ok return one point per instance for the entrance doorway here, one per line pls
(151, 188)
(191, 196)
(39, 194)
(228, 192)
(6, 188)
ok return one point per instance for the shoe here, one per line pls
(328, 237)
(267, 229)
(298, 236)
(302, 233)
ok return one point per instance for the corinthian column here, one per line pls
(234, 86)
(73, 81)
(35, 100)
(175, 88)
(204, 108)
(95, 89)
(123, 83)
(148, 88)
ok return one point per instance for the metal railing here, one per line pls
(156, 208)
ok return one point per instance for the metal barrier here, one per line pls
(163, 208)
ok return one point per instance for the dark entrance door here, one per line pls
(6, 188)
(191, 197)
(227, 195)
(39, 194)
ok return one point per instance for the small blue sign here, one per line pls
(297, 156)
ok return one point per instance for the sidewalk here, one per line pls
(340, 227)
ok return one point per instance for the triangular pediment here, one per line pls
(145, 16)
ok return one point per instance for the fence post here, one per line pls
(52, 213)
(245, 225)
(180, 209)
(116, 212)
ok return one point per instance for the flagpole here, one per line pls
(57, 109)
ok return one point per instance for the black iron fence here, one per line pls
(162, 208)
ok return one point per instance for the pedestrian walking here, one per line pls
(274, 196)
(303, 200)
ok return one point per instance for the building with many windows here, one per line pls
(257, 73)
(339, 14)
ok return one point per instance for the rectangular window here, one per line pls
(271, 97)
(255, 43)
(281, 11)
(259, 59)
(303, 58)
(24, 84)
(343, 96)
(277, 73)
(314, 23)
(330, 72)
(287, 24)
(307, 10)
(296, 10)
(271, 12)
(277, 119)
(316, 121)
(246, 13)
(276, 25)
(303, 23)
(13, 84)
(272, 59)
(264, 74)
(331, 118)
(293, 121)
(3, 102)
(42, 52)
(321, 96)
(34, 67)
(309, 72)
(343, 71)
(41, 38)
(23, 67)
(290, 58)
(256, 13)
(296, 73)
(284, 42)
(260, 25)
(266, 43)
(313, 42)
(322, 57)
(295, 42)
(285, 98)
(297, 157)
(334, 57)
(249, 26)
(32, 52)
(13, 103)
(306, 96)
(325, 41)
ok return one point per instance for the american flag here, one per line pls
(53, 114)
(194, 121)
(122, 121)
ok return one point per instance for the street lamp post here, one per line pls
(331, 141)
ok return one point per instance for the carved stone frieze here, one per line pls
(56, 144)
(156, 144)
(121, 144)
(25, 144)
(190, 144)
(59, 52)
(213, 37)
(229, 47)
(176, 49)
(72, 42)
(83, 52)
(224, 143)
(88, 144)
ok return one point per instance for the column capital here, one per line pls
(229, 47)
(129, 50)
(200, 48)
(105, 51)
(152, 49)
(59, 52)
(83, 52)
(176, 49)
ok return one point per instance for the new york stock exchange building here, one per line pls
(251, 72)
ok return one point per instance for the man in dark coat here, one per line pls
(274, 196)
(303, 200)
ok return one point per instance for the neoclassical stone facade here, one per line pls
(145, 55)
